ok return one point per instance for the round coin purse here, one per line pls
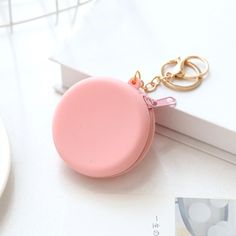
(103, 127)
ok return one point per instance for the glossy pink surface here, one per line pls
(102, 127)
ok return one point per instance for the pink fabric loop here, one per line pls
(135, 82)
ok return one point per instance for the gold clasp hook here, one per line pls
(201, 63)
(180, 72)
(170, 78)
(175, 72)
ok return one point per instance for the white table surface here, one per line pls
(42, 193)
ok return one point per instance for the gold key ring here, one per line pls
(168, 80)
(168, 77)
(201, 59)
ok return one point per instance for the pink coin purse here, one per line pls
(103, 127)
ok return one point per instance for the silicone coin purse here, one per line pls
(103, 127)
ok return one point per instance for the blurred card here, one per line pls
(205, 217)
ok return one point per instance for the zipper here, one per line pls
(162, 102)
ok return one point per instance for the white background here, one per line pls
(42, 194)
